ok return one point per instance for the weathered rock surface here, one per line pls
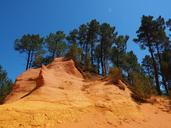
(57, 96)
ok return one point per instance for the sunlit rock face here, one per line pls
(57, 96)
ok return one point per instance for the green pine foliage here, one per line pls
(29, 44)
(5, 85)
(56, 45)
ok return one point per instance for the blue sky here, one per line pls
(18, 17)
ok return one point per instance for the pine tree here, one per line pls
(5, 84)
(82, 38)
(107, 37)
(146, 38)
(55, 44)
(74, 51)
(29, 44)
(92, 37)
(119, 50)
(129, 64)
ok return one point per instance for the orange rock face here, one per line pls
(57, 96)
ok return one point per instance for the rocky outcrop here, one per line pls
(57, 96)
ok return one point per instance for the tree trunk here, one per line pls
(28, 59)
(92, 53)
(105, 70)
(101, 59)
(83, 52)
(53, 54)
(117, 60)
(161, 69)
(31, 59)
(102, 65)
(86, 56)
(130, 80)
(155, 71)
(98, 65)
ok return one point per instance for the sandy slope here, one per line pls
(57, 96)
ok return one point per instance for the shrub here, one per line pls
(115, 74)
(141, 86)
